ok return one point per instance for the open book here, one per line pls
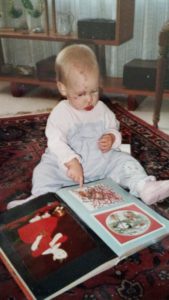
(55, 242)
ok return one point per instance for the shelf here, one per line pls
(53, 37)
(115, 85)
(28, 80)
(110, 85)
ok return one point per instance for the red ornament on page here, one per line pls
(44, 228)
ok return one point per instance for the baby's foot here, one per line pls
(19, 202)
(154, 191)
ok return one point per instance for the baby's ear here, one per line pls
(61, 87)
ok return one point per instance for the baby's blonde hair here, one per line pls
(75, 56)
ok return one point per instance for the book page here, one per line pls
(120, 219)
(45, 243)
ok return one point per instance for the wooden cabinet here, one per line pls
(123, 32)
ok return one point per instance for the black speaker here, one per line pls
(140, 74)
(45, 69)
(98, 29)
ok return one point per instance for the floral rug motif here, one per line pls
(144, 275)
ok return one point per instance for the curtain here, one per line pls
(150, 15)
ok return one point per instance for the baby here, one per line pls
(83, 137)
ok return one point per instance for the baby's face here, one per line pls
(83, 89)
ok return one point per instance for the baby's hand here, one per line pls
(75, 171)
(105, 142)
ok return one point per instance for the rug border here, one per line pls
(27, 116)
(156, 131)
(111, 105)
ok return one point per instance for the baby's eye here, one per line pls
(82, 94)
(95, 92)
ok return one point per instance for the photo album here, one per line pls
(55, 242)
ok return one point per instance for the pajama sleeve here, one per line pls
(58, 124)
(112, 126)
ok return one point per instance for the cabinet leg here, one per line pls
(132, 102)
(20, 89)
(17, 90)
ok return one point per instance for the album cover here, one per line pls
(55, 242)
(48, 250)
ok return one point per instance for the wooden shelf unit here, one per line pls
(124, 28)
(123, 32)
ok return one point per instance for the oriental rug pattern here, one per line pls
(144, 275)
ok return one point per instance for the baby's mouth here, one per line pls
(90, 107)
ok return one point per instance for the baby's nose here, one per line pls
(89, 98)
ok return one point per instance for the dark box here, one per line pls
(45, 69)
(140, 74)
(99, 29)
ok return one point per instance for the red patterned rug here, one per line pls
(144, 275)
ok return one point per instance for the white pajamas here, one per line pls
(75, 133)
